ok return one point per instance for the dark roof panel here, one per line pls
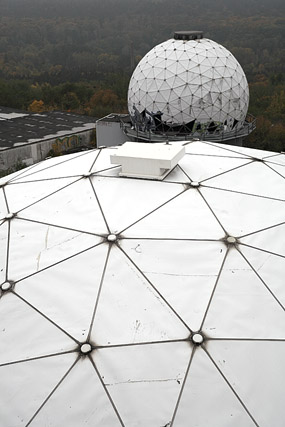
(18, 126)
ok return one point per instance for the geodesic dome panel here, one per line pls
(132, 302)
(190, 80)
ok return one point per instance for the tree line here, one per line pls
(79, 55)
(73, 40)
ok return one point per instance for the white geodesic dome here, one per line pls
(189, 80)
(133, 302)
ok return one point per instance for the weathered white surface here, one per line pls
(104, 280)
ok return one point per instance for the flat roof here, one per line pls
(116, 118)
(20, 127)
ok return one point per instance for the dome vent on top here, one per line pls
(188, 35)
(149, 161)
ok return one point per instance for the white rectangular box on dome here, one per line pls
(147, 160)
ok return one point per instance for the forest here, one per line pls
(78, 55)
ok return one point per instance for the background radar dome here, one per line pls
(190, 80)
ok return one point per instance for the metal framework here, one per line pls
(138, 132)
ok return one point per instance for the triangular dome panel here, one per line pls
(22, 195)
(144, 387)
(177, 175)
(270, 268)
(25, 386)
(242, 214)
(210, 149)
(81, 388)
(268, 240)
(137, 322)
(239, 302)
(249, 181)
(63, 166)
(211, 402)
(280, 169)
(64, 294)
(18, 320)
(172, 220)
(186, 282)
(251, 366)
(63, 209)
(120, 215)
(210, 167)
(43, 246)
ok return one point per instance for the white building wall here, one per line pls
(109, 133)
(34, 152)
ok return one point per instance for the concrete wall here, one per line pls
(35, 152)
(109, 134)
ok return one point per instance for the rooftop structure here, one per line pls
(17, 128)
(188, 35)
(149, 161)
(29, 137)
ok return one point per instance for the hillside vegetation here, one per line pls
(78, 55)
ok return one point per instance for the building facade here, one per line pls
(27, 138)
